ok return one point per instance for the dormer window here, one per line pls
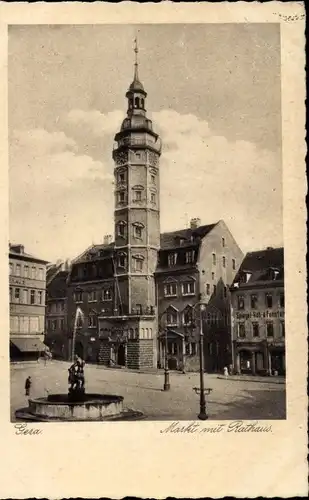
(274, 273)
(189, 257)
(181, 241)
(172, 259)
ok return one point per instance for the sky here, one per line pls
(214, 98)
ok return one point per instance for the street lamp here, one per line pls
(166, 385)
(201, 390)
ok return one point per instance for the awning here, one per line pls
(29, 344)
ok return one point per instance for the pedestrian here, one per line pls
(225, 371)
(28, 386)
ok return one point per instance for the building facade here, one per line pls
(258, 319)
(114, 284)
(196, 264)
(56, 329)
(27, 287)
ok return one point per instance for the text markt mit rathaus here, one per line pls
(235, 426)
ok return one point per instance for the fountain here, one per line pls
(77, 405)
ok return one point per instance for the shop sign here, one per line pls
(260, 314)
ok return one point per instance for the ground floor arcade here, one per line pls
(259, 358)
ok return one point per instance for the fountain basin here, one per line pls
(90, 407)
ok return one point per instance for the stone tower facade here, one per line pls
(136, 155)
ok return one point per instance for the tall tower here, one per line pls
(136, 155)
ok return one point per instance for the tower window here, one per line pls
(130, 103)
(153, 179)
(138, 229)
(138, 262)
(153, 198)
(137, 102)
(137, 196)
(121, 228)
(121, 197)
(121, 178)
(122, 260)
(142, 103)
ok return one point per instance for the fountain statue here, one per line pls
(77, 405)
(77, 380)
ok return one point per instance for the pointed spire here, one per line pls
(136, 60)
(136, 85)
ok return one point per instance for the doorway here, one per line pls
(121, 355)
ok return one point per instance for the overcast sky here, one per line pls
(214, 97)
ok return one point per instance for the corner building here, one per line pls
(117, 286)
(258, 318)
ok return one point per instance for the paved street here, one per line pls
(230, 399)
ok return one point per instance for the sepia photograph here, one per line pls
(146, 254)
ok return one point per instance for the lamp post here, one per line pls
(201, 390)
(166, 385)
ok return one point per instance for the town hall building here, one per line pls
(131, 298)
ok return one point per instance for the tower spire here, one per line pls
(136, 60)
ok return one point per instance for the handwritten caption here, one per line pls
(235, 426)
(24, 430)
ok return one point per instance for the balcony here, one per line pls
(123, 312)
(139, 142)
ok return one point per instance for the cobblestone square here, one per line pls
(230, 399)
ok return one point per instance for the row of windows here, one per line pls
(55, 324)
(137, 229)
(224, 260)
(122, 198)
(137, 262)
(187, 288)
(27, 324)
(255, 299)
(26, 296)
(56, 307)
(174, 317)
(173, 260)
(256, 329)
(25, 271)
(122, 178)
(94, 295)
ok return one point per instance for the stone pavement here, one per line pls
(143, 391)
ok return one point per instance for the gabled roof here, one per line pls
(171, 239)
(93, 251)
(259, 265)
(57, 287)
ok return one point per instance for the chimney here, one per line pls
(107, 239)
(17, 248)
(195, 223)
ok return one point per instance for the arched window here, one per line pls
(130, 103)
(137, 262)
(121, 228)
(142, 103)
(137, 102)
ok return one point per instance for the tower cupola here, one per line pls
(136, 93)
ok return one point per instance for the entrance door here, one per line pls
(245, 362)
(121, 355)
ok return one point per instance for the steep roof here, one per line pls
(94, 251)
(171, 239)
(57, 287)
(26, 256)
(259, 264)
